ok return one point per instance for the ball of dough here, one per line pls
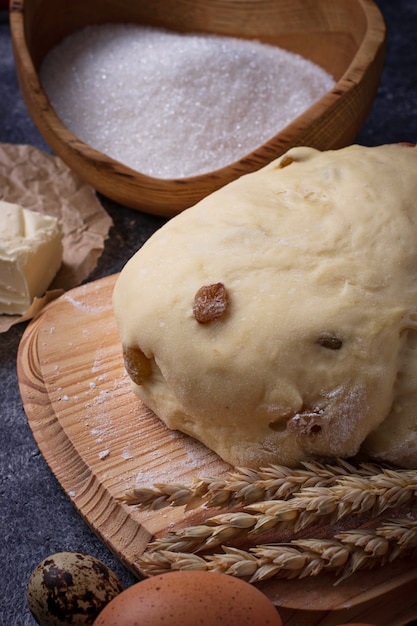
(275, 321)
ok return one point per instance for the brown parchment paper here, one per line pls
(42, 182)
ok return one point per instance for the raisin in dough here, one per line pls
(310, 349)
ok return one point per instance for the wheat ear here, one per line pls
(343, 555)
(244, 486)
(350, 496)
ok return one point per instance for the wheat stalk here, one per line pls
(244, 486)
(350, 496)
(346, 553)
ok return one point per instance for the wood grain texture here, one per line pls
(100, 440)
(346, 38)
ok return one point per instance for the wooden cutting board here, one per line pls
(100, 441)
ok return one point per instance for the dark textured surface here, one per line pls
(36, 518)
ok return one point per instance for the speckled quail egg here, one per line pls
(70, 588)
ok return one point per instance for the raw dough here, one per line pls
(314, 351)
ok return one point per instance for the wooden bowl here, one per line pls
(346, 38)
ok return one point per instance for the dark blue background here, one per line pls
(36, 517)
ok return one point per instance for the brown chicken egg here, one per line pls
(190, 598)
(70, 588)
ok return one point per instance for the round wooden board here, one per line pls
(100, 441)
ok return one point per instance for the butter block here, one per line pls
(30, 256)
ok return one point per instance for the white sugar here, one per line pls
(174, 105)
